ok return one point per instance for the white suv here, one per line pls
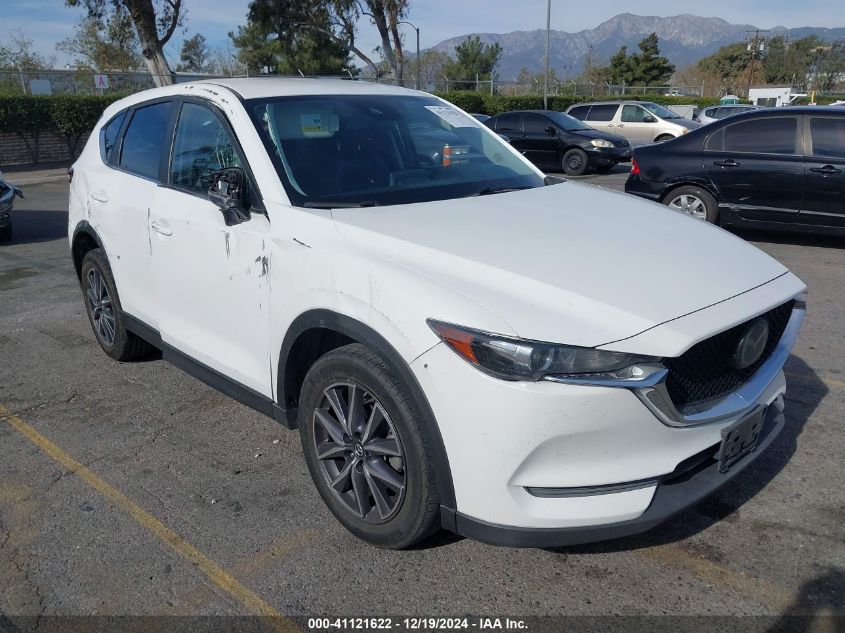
(545, 365)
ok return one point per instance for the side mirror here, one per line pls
(228, 191)
(649, 119)
(551, 130)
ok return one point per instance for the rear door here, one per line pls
(540, 147)
(757, 167)
(602, 116)
(824, 193)
(510, 125)
(120, 205)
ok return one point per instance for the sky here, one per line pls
(49, 21)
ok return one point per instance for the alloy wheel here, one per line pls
(691, 205)
(99, 302)
(359, 452)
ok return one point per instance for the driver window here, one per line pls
(201, 146)
(633, 114)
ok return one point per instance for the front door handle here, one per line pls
(99, 196)
(161, 227)
(730, 162)
(621, 125)
(827, 170)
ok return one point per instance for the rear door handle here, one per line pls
(99, 196)
(726, 163)
(827, 170)
(161, 227)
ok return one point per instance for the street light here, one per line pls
(417, 78)
(546, 81)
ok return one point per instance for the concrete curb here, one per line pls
(36, 180)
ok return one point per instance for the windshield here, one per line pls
(363, 150)
(566, 122)
(659, 110)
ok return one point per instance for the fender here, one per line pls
(361, 333)
(83, 227)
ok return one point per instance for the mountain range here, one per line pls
(684, 39)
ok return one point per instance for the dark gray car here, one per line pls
(7, 201)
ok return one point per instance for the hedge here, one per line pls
(70, 115)
(496, 104)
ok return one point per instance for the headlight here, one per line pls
(600, 142)
(519, 359)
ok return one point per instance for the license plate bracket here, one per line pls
(740, 438)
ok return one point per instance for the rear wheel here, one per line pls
(693, 201)
(366, 449)
(575, 162)
(104, 313)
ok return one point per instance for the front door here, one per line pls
(212, 280)
(637, 124)
(824, 194)
(757, 167)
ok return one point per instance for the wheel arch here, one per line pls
(689, 183)
(318, 331)
(84, 239)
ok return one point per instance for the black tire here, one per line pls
(711, 207)
(575, 162)
(415, 511)
(664, 137)
(122, 345)
(6, 233)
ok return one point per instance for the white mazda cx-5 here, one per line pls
(461, 342)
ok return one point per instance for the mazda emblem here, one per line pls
(752, 344)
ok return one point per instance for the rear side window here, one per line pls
(762, 136)
(144, 138)
(508, 123)
(602, 112)
(716, 140)
(579, 112)
(201, 145)
(828, 137)
(108, 135)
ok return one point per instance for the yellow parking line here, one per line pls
(183, 548)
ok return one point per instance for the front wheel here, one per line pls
(693, 201)
(575, 162)
(664, 137)
(366, 448)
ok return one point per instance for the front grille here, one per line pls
(706, 370)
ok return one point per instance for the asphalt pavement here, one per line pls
(133, 489)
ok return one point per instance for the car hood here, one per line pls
(614, 138)
(568, 263)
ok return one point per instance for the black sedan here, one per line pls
(779, 168)
(554, 140)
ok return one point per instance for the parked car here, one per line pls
(8, 193)
(461, 343)
(480, 117)
(640, 122)
(717, 113)
(554, 140)
(780, 168)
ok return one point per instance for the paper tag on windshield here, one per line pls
(451, 116)
(311, 123)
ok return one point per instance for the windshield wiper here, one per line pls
(328, 204)
(491, 190)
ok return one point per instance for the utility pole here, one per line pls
(754, 46)
(417, 78)
(546, 81)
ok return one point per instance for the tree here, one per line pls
(155, 22)
(728, 65)
(225, 62)
(22, 55)
(828, 66)
(195, 56)
(649, 67)
(104, 43)
(431, 66)
(473, 60)
(291, 36)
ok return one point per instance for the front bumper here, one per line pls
(673, 494)
(550, 463)
(609, 155)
